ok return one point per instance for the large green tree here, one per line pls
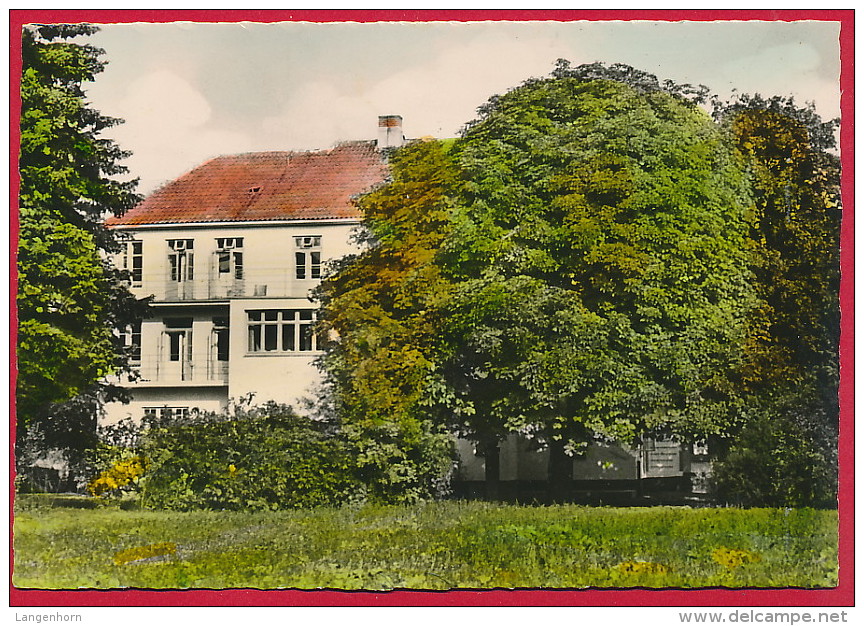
(382, 312)
(601, 260)
(588, 248)
(70, 299)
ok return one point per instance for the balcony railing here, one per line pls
(182, 372)
(260, 284)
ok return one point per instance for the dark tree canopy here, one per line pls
(71, 300)
(795, 240)
(791, 374)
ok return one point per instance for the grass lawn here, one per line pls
(439, 545)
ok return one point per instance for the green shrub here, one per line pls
(263, 458)
(400, 465)
(781, 459)
(269, 457)
(114, 467)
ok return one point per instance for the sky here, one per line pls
(190, 92)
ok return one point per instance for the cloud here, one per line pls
(167, 100)
(167, 122)
(795, 68)
(332, 83)
(435, 98)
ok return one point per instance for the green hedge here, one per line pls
(268, 458)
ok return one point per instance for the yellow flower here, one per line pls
(145, 552)
(731, 557)
(119, 475)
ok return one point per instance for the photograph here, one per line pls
(552, 305)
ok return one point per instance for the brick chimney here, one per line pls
(390, 132)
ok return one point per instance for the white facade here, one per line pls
(231, 311)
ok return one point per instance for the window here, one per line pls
(180, 259)
(166, 412)
(132, 262)
(132, 341)
(220, 338)
(179, 332)
(308, 262)
(229, 257)
(287, 330)
(176, 341)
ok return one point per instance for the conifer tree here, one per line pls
(70, 300)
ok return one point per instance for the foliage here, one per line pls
(385, 306)
(573, 266)
(641, 81)
(596, 258)
(70, 299)
(436, 546)
(262, 457)
(791, 375)
(605, 285)
(69, 429)
(795, 252)
(783, 457)
(266, 457)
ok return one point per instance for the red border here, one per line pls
(105, 16)
(843, 595)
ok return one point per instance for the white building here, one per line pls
(230, 252)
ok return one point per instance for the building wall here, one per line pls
(155, 365)
(268, 258)
(203, 398)
(285, 377)
(521, 461)
(268, 282)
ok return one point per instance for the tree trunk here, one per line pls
(491, 454)
(560, 473)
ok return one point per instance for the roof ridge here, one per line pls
(266, 185)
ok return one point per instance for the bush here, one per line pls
(781, 459)
(52, 448)
(399, 466)
(263, 458)
(120, 477)
(268, 457)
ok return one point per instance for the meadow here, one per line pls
(438, 545)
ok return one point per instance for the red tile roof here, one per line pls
(266, 186)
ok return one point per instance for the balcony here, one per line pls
(255, 284)
(157, 372)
